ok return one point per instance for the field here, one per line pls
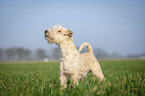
(123, 77)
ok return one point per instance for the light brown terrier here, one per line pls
(73, 64)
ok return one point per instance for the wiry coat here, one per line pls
(73, 64)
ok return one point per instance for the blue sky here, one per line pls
(112, 25)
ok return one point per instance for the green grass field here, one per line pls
(123, 77)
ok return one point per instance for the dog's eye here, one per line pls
(59, 31)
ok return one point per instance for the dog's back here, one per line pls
(91, 61)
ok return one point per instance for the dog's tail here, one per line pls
(88, 47)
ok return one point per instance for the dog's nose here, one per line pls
(46, 31)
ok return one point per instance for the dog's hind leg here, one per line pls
(96, 70)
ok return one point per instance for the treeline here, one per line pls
(23, 54)
(102, 54)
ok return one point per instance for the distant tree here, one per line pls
(56, 53)
(1, 54)
(143, 54)
(23, 54)
(132, 56)
(11, 54)
(99, 53)
(115, 55)
(40, 54)
(17, 54)
(28, 54)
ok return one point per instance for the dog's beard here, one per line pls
(49, 39)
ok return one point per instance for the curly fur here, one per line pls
(73, 64)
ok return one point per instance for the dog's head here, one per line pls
(58, 34)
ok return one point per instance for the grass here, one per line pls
(123, 77)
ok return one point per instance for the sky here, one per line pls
(111, 25)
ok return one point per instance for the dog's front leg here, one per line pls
(74, 80)
(63, 80)
(62, 77)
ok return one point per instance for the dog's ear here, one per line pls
(68, 33)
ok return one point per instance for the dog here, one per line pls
(73, 64)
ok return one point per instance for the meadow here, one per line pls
(123, 77)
